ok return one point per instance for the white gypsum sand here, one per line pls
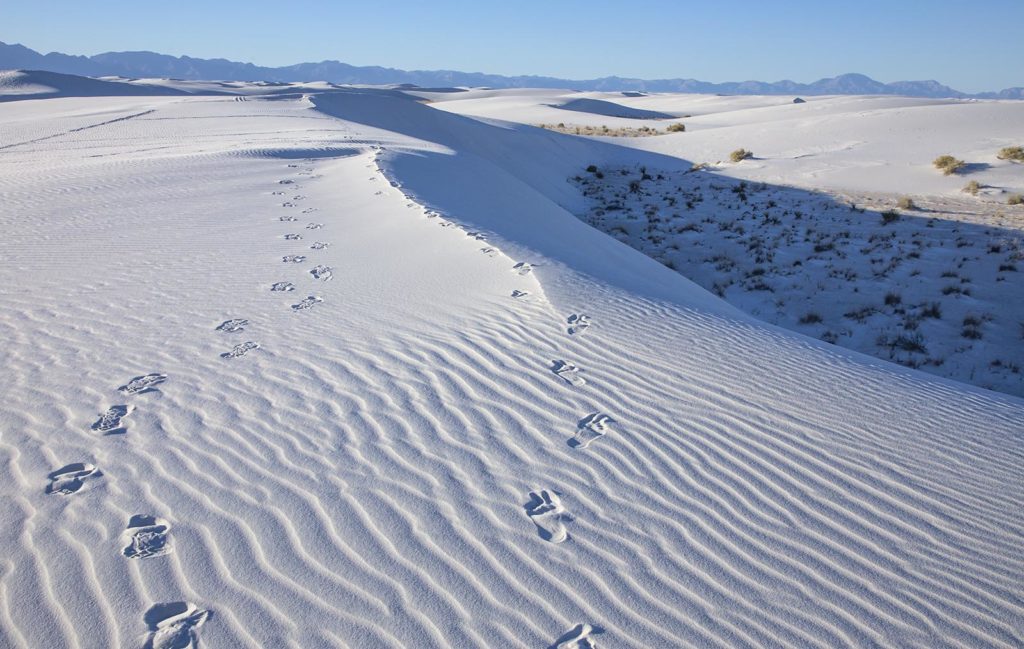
(391, 467)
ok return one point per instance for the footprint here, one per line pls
(593, 426)
(307, 303)
(547, 513)
(479, 236)
(322, 273)
(568, 373)
(147, 536)
(293, 237)
(143, 384)
(241, 349)
(109, 422)
(314, 226)
(578, 638)
(490, 251)
(520, 294)
(287, 219)
(71, 478)
(293, 259)
(287, 204)
(232, 326)
(446, 224)
(277, 193)
(309, 210)
(578, 323)
(174, 625)
(319, 245)
(523, 268)
(286, 182)
(282, 286)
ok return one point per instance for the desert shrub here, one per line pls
(948, 165)
(1015, 199)
(906, 203)
(889, 216)
(972, 188)
(592, 168)
(678, 127)
(933, 310)
(892, 299)
(1012, 153)
(740, 154)
(810, 318)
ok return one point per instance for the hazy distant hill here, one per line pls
(151, 64)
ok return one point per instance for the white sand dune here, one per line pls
(400, 465)
(38, 84)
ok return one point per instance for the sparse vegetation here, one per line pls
(948, 165)
(1012, 153)
(890, 216)
(739, 155)
(622, 131)
(1015, 199)
(678, 127)
(972, 188)
(810, 318)
(906, 203)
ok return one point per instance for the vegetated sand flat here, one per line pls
(795, 234)
(346, 370)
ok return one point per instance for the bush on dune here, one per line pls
(948, 165)
(740, 154)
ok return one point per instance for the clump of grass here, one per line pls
(740, 154)
(892, 299)
(972, 188)
(810, 318)
(678, 127)
(1015, 199)
(1012, 153)
(948, 165)
(933, 310)
(906, 203)
(890, 216)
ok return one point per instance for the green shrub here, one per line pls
(740, 154)
(972, 188)
(1012, 153)
(948, 165)
(678, 127)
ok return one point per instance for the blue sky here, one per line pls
(971, 46)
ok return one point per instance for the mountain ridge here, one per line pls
(136, 64)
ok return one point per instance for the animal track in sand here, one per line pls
(319, 245)
(174, 625)
(479, 236)
(307, 303)
(314, 226)
(490, 251)
(523, 268)
(547, 513)
(578, 323)
(293, 237)
(278, 287)
(578, 638)
(287, 219)
(309, 210)
(143, 384)
(71, 478)
(109, 422)
(568, 372)
(293, 259)
(287, 204)
(322, 273)
(593, 426)
(147, 536)
(286, 181)
(519, 295)
(233, 326)
(241, 349)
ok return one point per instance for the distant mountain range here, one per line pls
(151, 64)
